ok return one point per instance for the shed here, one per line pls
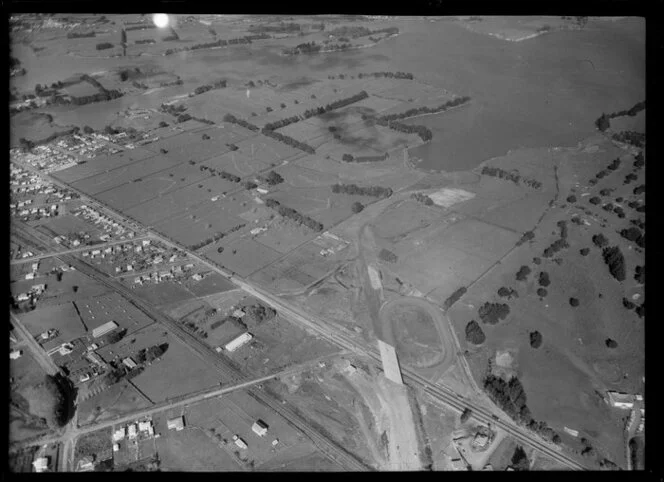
(176, 423)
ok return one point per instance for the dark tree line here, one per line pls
(104, 46)
(145, 41)
(355, 190)
(216, 237)
(234, 120)
(513, 176)
(351, 158)
(81, 34)
(316, 111)
(454, 297)
(426, 110)
(289, 141)
(291, 213)
(560, 243)
(282, 27)
(423, 132)
(604, 121)
(220, 84)
(217, 43)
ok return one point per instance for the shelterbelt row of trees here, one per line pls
(247, 39)
(337, 104)
(313, 48)
(220, 84)
(216, 237)
(351, 158)
(361, 31)
(377, 75)
(270, 133)
(426, 110)
(513, 176)
(294, 215)
(354, 189)
(604, 121)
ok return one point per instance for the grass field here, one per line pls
(102, 164)
(116, 400)
(211, 284)
(164, 292)
(61, 317)
(243, 256)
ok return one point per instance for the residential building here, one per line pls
(131, 364)
(41, 464)
(15, 354)
(621, 400)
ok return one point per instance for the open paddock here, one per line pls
(446, 257)
(125, 174)
(132, 194)
(58, 292)
(193, 147)
(102, 164)
(61, 317)
(116, 400)
(238, 163)
(300, 175)
(403, 218)
(268, 150)
(211, 284)
(69, 224)
(284, 236)
(186, 199)
(178, 372)
(198, 224)
(249, 255)
(163, 292)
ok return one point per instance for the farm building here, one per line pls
(119, 434)
(40, 464)
(621, 400)
(573, 433)
(260, 428)
(103, 329)
(15, 354)
(132, 431)
(239, 341)
(239, 442)
(176, 424)
(131, 364)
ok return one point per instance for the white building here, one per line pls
(238, 342)
(119, 434)
(15, 354)
(103, 329)
(260, 428)
(176, 424)
(40, 464)
(624, 401)
(132, 431)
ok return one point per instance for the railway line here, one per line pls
(335, 335)
(226, 367)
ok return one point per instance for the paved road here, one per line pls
(335, 335)
(40, 355)
(224, 365)
(76, 250)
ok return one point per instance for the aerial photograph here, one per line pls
(326, 243)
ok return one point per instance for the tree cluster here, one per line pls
(260, 313)
(104, 46)
(603, 122)
(615, 260)
(422, 198)
(513, 176)
(291, 213)
(611, 343)
(639, 160)
(527, 236)
(535, 339)
(636, 139)
(560, 243)
(465, 415)
(355, 190)
(81, 34)
(544, 279)
(57, 389)
(600, 240)
(152, 353)
(388, 256)
(520, 460)
(634, 234)
(492, 313)
(523, 273)
(474, 333)
(273, 178)
(509, 293)
(640, 274)
(389, 75)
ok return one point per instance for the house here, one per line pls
(130, 267)
(197, 277)
(144, 426)
(238, 313)
(146, 242)
(35, 266)
(132, 431)
(30, 276)
(176, 424)
(22, 297)
(15, 354)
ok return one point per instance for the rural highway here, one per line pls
(334, 334)
(74, 431)
(76, 250)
